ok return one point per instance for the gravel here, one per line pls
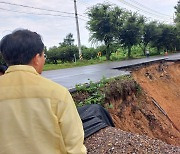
(111, 140)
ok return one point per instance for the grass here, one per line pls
(73, 64)
(105, 90)
(119, 55)
(84, 62)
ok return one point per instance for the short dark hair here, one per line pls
(3, 68)
(20, 47)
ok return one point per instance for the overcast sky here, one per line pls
(54, 26)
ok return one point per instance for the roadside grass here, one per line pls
(73, 64)
(121, 54)
(60, 65)
(79, 63)
(105, 90)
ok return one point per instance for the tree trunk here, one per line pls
(158, 50)
(107, 52)
(129, 52)
(144, 50)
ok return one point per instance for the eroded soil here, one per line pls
(162, 83)
(152, 110)
(156, 111)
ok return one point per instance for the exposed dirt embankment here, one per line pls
(147, 104)
(162, 83)
(155, 111)
(140, 115)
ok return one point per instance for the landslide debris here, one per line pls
(161, 81)
(145, 110)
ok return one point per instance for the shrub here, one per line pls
(89, 53)
(105, 91)
(64, 54)
(68, 53)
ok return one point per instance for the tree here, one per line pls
(165, 38)
(89, 53)
(149, 33)
(157, 41)
(175, 39)
(64, 54)
(67, 53)
(131, 31)
(53, 54)
(103, 24)
(177, 20)
(168, 37)
(177, 13)
(68, 41)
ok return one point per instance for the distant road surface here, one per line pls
(78, 75)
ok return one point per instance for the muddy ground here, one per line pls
(153, 109)
(162, 83)
(156, 111)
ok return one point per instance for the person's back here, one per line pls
(37, 116)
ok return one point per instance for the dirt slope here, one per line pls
(141, 116)
(152, 111)
(162, 83)
(155, 112)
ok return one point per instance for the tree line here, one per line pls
(117, 28)
(111, 24)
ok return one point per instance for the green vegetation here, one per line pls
(112, 25)
(120, 54)
(105, 91)
(60, 65)
(122, 35)
(177, 19)
(93, 90)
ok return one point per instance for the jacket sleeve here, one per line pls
(71, 127)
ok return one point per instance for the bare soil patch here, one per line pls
(146, 107)
(154, 112)
(162, 83)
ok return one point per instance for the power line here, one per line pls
(34, 13)
(146, 12)
(143, 6)
(137, 8)
(50, 10)
(37, 8)
(39, 14)
(84, 3)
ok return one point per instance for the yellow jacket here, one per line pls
(37, 116)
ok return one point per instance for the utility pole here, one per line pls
(78, 34)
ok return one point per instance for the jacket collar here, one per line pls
(25, 68)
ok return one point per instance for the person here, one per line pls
(3, 68)
(37, 116)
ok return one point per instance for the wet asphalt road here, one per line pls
(71, 76)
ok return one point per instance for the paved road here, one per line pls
(71, 76)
